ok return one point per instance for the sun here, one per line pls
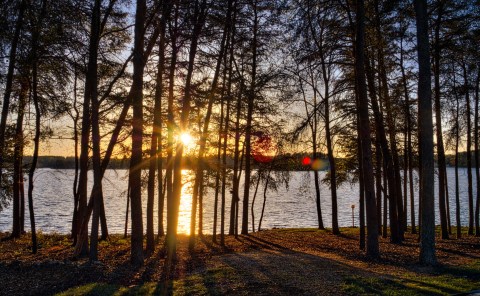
(186, 139)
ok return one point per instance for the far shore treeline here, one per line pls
(288, 162)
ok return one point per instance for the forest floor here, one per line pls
(270, 262)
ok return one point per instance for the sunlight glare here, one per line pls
(186, 139)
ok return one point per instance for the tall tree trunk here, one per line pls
(252, 211)
(82, 228)
(21, 188)
(438, 117)
(425, 136)
(405, 180)
(457, 142)
(469, 151)
(217, 174)
(477, 155)
(316, 174)
(36, 139)
(372, 221)
(200, 206)
(385, 201)
(236, 168)
(224, 156)
(92, 93)
(226, 128)
(136, 256)
(76, 117)
(125, 231)
(9, 81)
(171, 121)
(222, 129)
(361, 194)
(378, 182)
(447, 202)
(248, 131)
(331, 158)
(17, 158)
(155, 143)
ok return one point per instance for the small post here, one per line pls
(353, 215)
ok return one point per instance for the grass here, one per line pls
(196, 284)
(278, 262)
(206, 284)
(445, 281)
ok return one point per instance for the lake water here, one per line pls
(287, 207)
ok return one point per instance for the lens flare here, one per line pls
(306, 160)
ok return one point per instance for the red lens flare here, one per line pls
(306, 160)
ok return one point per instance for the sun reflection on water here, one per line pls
(185, 203)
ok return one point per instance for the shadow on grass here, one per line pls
(268, 267)
(274, 272)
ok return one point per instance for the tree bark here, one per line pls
(457, 143)
(378, 182)
(155, 161)
(372, 222)
(469, 151)
(477, 155)
(171, 120)
(248, 131)
(17, 158)
(236, 167)
(36, 139)
(425, 136)
(361, 187)
(92, 93)
(136, 256)
(438, 117)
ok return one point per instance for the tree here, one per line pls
(136, 255)
(442, 184)
(91, 93)
(250, 106)
(34, 58)
(155, 161)
(364, 133)
(203, 137)
(425, 136)
(9, 81)
(199, 15)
